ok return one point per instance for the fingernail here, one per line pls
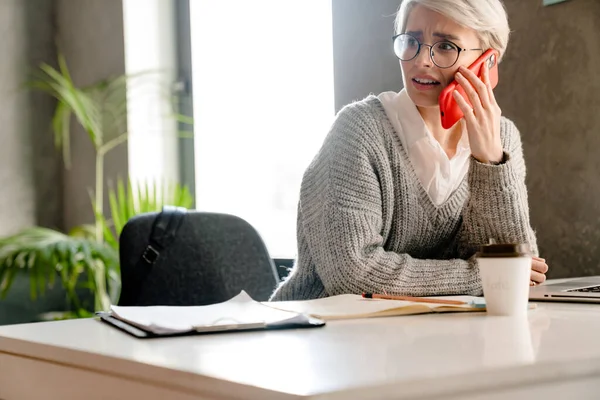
(459, 75)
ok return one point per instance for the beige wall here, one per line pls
(550, 87)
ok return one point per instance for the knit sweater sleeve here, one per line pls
(345, 203)
(498, 206)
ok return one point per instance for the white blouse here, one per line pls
(438, 174)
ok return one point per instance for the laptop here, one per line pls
(586, 290)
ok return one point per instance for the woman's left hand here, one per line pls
(483, 119)
(538, 270)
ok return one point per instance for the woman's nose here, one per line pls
(424, 57)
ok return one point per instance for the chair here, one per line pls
(283, 266)
(211, 258)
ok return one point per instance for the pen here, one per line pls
(410, 298)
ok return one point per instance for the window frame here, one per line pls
(183, 93)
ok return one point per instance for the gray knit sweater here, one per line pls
(365, 222)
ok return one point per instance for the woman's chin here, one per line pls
(423, 99)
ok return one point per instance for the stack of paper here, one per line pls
(243, 313)
(238, 313)
(350, 306)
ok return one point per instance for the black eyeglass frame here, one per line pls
(431, 46)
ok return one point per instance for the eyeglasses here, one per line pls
(444, 53)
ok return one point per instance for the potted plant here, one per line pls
(85, 260)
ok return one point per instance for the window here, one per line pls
(150, 62)
(263, 103)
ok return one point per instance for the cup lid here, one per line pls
(505, 250)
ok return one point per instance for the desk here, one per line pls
(555, 354)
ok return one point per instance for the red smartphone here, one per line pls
(450, 112)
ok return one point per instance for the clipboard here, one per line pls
(144, 334)
(238, 314)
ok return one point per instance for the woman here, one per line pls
(393, 202)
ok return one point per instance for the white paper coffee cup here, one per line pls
(505, 271)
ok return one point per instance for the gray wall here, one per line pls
(30, 170)
(550, 90)
(90, 34)
(549, 86)
(35, 189)
(363, 60)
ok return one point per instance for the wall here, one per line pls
(90, 35)
(363, 59)
(34, 189)
(548, 86)
(30, 169)
(551, 92)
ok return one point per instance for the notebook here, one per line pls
(350, 306)
(237, 314)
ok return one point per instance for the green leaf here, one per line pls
(184, 119)
(81, 104)
(61, 126)
(44, 253)
(109, 236)
(77, 260)
(33, 282)
(66, 92)
(118, 215)
(125, 203)
(7, 282)
(124, 210)
(130, 203)
(87, 231)
(145, 199)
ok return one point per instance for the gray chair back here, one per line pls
(211, 258)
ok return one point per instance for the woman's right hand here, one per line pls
(483, 118)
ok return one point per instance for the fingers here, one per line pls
(471, 92)
(539, 266)
(479, 89)
(537, 277)
(488, 84)
(538, 270)
(464, 107)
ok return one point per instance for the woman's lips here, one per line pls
(424, 83)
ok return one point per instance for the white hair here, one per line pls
(486, 17)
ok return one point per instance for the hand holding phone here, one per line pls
(482, 114)
(450, 112)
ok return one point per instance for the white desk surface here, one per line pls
(451, 356)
